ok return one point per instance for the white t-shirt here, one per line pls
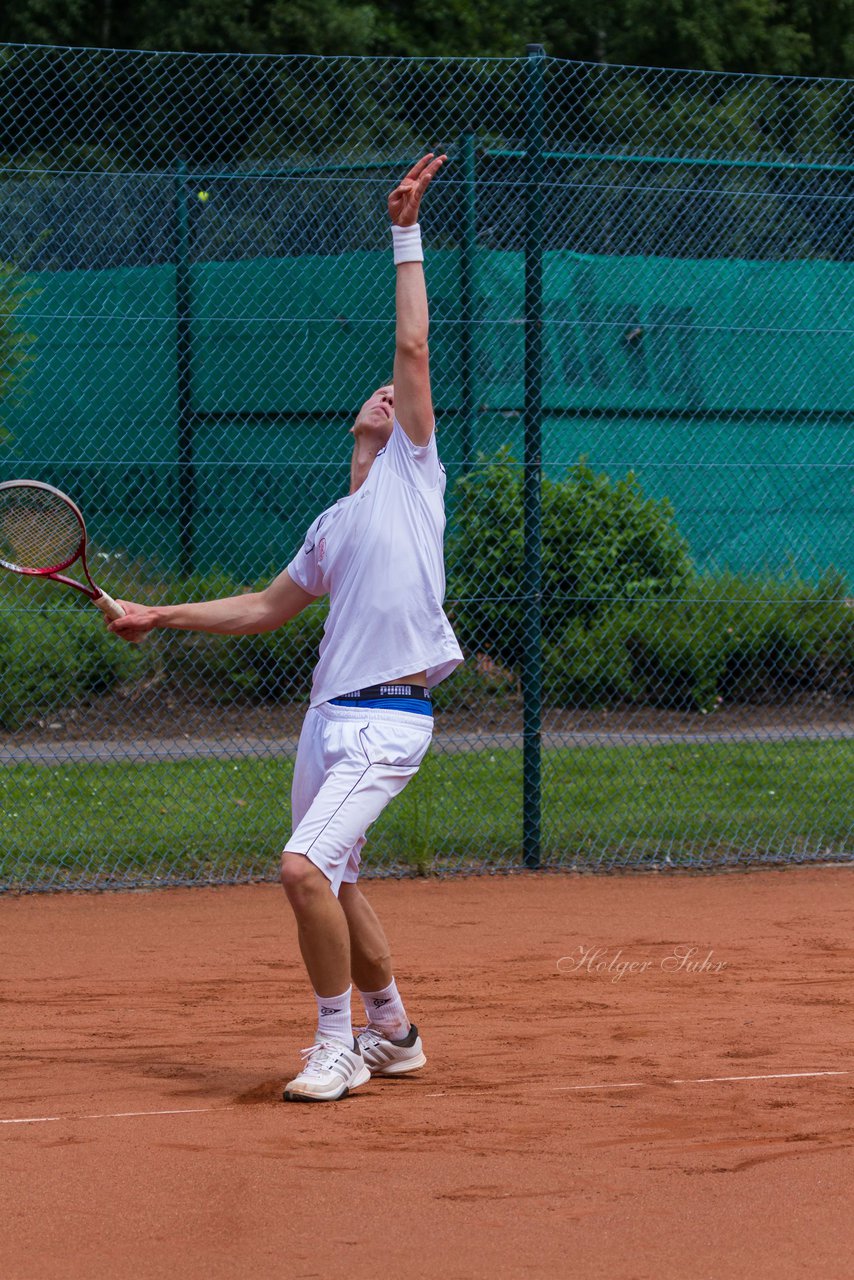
(378, 554)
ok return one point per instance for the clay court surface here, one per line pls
(576, 1118)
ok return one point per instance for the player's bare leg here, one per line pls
(324, 939)
(370, 954)
(390, 1044)
(333, 1065)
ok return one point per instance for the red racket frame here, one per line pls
(98, 597)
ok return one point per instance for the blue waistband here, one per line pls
(420, 706)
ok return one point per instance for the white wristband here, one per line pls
(407, 244)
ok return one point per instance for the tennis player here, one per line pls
(378, 554)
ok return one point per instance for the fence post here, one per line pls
(184, 372)
(532, 482)
(468, 248)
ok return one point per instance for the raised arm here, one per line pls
(244, 615)
(413, 401)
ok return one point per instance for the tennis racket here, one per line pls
(41, 533)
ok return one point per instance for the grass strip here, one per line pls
(206, 820)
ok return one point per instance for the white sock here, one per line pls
(334, 1019)
(384, 1009)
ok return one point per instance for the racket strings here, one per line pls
(38, 530)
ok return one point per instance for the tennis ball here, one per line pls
(203, 195)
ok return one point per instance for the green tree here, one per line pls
(441, 28)
(813, 37)
(830, 26)
(323, 26)
(726, 35)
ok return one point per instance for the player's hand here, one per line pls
(138, 621)
(404, 201)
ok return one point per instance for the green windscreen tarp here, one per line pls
(725, 385)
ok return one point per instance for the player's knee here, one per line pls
(301, 879)
(378, 958)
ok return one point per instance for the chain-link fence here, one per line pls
(642, 360)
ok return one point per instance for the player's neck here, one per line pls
(364, 453)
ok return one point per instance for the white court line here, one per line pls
(115, 1115)
(780, 1075)
(574, 1088)
(563, 1088)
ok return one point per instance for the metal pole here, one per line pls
(532, 491)
(468, 249)
(184, 372)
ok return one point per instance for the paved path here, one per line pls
(147, 750)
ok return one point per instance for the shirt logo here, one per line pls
(321, 549)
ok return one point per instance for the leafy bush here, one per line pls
(625, 616)
(477, 684)
(604, 544)
(589, 666)
(273, 666)
(736, 639)
(15, 344)
(717, 637)
(53, 658)
(55, 651)
(783, 634)
(658, 656)
(676, 658)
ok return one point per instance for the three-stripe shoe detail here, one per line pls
(330, 1070)
(386, 1057)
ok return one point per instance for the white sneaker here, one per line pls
(330, 1070)
(391, 1057)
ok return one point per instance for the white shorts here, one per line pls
(350, 762)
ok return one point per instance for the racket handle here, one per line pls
(108, 606)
